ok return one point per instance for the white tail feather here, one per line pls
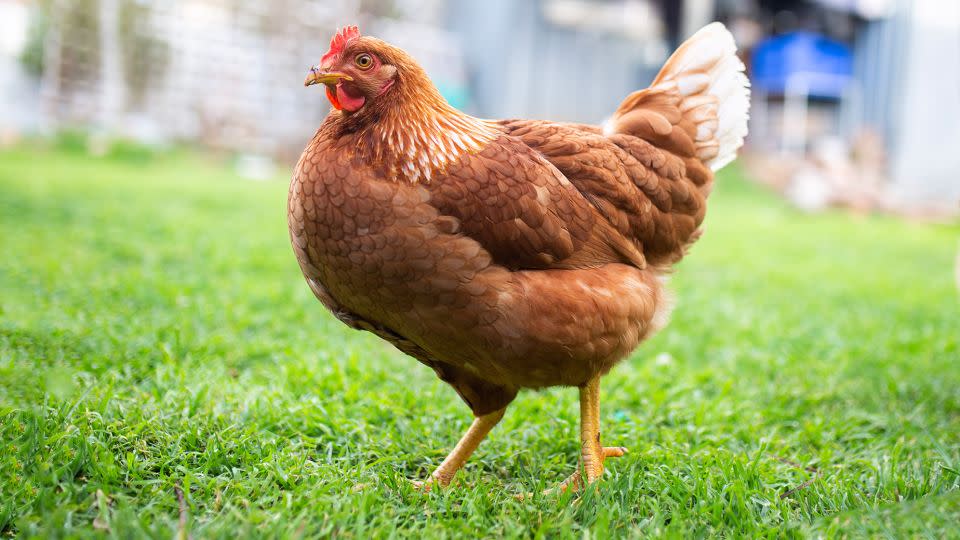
(715, 90)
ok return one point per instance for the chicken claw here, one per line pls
(575, 480)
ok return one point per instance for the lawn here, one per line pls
(164, 370)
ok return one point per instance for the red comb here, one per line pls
(339, 41)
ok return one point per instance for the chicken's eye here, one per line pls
(363, 61)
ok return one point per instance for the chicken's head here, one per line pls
(357, 70)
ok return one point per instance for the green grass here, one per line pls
(156, 336)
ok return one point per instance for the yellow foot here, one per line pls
(575, 480)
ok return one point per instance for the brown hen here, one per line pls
(508, 254)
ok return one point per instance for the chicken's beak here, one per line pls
(325, 77)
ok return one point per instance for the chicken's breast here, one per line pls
(499, 273)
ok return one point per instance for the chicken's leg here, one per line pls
(592, 454)
(481, 426)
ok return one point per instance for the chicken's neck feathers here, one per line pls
(419, 140)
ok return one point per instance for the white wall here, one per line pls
(926, 162)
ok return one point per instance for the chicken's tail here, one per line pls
(702, 89)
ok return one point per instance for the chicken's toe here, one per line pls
(575, 480)
(424, 486)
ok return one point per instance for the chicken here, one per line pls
(508, 254)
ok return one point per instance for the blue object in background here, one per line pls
(456, 94)
(825, 65)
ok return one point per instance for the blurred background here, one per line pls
(855, 101)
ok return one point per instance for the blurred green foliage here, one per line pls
(82, 143)
(31, 58)
(145, 56)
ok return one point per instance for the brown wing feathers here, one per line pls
(525, 212)
(644, 192)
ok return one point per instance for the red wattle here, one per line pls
(333, 99)
(348, 102)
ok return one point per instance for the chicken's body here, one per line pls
(513, 254)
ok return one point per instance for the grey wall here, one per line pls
(926, 158)
(522, 66)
